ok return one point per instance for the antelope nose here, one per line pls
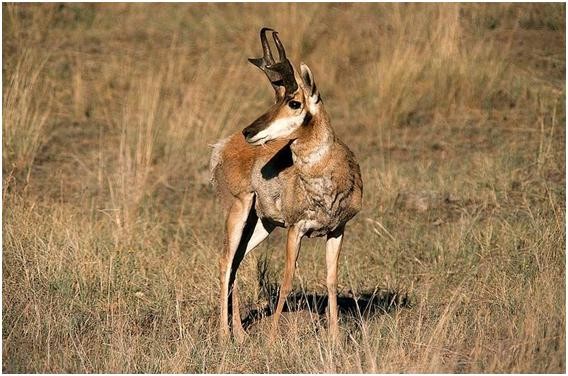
(248, 133)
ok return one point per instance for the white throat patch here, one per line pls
(280, 128)
(314, 157)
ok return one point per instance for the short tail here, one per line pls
(215, 160)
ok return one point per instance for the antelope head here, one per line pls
(297, 98)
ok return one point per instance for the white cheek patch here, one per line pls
(280, 128)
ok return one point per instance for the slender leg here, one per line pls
(333, 247)
(292, 250)
(235, 223)
(250, 241)
(238, 330)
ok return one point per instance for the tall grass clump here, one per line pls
(26, 109)
(192, 121)
(140, 124)
(427, 66)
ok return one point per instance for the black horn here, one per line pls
(279, 46)
(265, 46)
(279, 73)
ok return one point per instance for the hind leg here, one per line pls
(234, 226)
(249, 241)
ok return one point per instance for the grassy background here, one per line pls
(111, 232)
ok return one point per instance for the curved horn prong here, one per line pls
(279, 73)
(279, 46)
(259, 62)
(265, 46)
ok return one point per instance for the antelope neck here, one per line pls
(314, 142)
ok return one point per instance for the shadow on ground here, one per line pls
(361, 306)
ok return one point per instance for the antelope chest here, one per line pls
(288, 198)
(319, 193)
(315, 201)
(321, 198)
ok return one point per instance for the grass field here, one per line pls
(111, 231)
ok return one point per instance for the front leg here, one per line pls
(295, 234)
(333, 247)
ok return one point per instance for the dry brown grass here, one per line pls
(111, 232)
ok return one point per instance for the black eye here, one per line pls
(294, 105)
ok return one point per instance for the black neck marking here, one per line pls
(278, 163)
(307, 119)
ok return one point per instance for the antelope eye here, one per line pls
(294, 105)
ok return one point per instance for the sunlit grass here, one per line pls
(111, 232)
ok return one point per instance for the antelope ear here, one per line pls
(308, 79)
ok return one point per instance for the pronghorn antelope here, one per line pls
(286, 169)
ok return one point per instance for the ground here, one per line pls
(112, 233)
